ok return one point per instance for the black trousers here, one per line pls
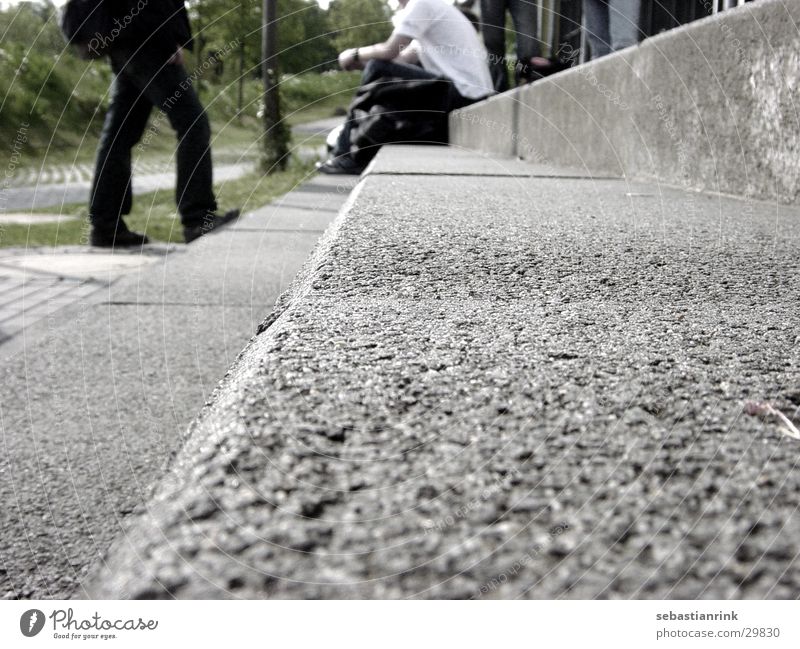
(139, 84)
(493, 19)
(374, 70)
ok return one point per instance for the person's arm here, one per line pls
(410, 55)
(355, 58)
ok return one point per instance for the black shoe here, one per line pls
(210, 223)
(116, 237)
(336, 167)
(535, 71)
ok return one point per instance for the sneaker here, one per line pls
(117, 236)
(210, 223)
(336, 166)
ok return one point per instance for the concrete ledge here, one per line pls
(710, 106)
(499, 387)
(97, 395)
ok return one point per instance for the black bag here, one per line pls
(393, 110)
(87, 26)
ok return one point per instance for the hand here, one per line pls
(347, 60)
(177, 58)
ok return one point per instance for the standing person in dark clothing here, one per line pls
(611, 25)
(493, 19)
(146, 53)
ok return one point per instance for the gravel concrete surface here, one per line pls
(500, 387)
(96, 397)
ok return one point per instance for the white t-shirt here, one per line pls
(447, 45)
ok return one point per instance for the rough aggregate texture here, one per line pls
(89, 415)
(500, 387)
(98, 398)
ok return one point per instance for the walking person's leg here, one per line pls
(524, 15)
(595, 14)
(623, 19)
(493, 28)
(169, 87)
(111, 195)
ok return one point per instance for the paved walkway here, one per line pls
(37, 188)
(41, 194)
(512, 382)
(98, 394)
(36, 283)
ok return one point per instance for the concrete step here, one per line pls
(97, 396)
(710, 105)
(500, 383)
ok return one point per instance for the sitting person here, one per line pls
(433, 63)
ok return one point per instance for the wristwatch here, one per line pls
(356, 57)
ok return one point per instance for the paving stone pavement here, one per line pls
(36, 283)
(53, 185)
(499, 385)
(97, 395)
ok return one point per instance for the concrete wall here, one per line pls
(713, 106)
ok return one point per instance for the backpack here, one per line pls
(87, 26)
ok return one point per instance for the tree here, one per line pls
(359, 22)
(304, 42)
(276, 134)
(304, 38)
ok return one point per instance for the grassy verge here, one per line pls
(154, 213)
(56, 136)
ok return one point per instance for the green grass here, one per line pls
(154, 213)
(58, 137)
(64, 127)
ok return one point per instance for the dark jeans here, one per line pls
(373, 71)
(493, 27)
(611, 25)
(139, 84)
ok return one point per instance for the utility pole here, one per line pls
(276, 135)
(243, 7)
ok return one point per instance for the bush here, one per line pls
(303, 90)
(311, 91)
(43, 85)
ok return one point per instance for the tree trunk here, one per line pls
(276, 135)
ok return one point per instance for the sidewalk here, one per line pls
(506, 381)
(96, 396)
(57, 185)
(41, 194)
(37, 283)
